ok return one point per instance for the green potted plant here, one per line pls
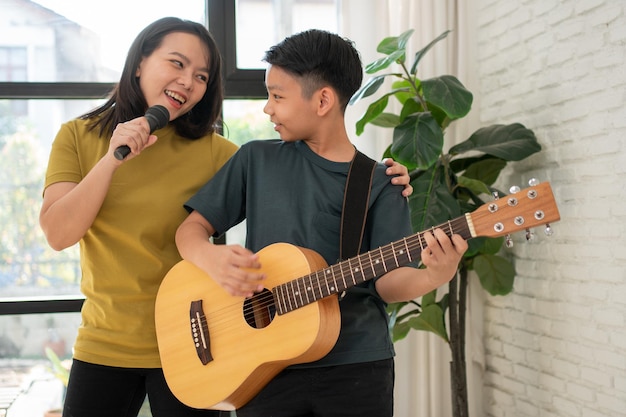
(447, 184)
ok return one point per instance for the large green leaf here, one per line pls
(476, 186)
(447, 93)
(399, 331)
(512, 142)
(492, 245)
(392, 44)
(417, 141)
(384, 62)
(496, 273)
(431, 319)
(431, 203)
(484, 245)
(410, 107)
(430, 298)
(420, 54)
(386, 120)
(485, 169)
(373, 111)
(371, 86)
(405, 90)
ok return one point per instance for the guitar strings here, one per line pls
(414, 244)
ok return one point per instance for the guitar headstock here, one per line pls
(522, 210)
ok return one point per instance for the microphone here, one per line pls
(157, 116)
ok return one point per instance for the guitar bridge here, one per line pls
(200, 332)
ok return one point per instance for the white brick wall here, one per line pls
(556, 346)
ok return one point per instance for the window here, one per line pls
(60, 58)
(13, 67)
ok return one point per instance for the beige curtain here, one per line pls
(422, 362)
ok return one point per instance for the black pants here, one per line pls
(104, 391)
(359, 390)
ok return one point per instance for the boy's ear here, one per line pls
(327, 100)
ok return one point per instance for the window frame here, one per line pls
(239, 84)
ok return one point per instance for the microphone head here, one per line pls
(157, 116)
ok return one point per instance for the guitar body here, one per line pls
(247, 348)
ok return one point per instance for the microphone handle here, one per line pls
(121, 152)
(157, 117)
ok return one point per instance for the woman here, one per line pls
(125, 212)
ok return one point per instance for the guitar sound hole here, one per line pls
(259, 310)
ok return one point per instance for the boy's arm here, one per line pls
(441, 258)
(223, 263)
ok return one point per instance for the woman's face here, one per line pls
(176, 74)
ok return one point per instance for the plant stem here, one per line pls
(411, 81)
(458, 367)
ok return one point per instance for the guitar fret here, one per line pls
(342, 275)
(408, 252)
(353, 270)
(378, 267)
(308, 289)
(299, 291)
(347, 263)
(290, 298)
(331, 276)
(369, 254)
(393, 251)
(297, 299)
(329, 288)
(361, 272)
(382, 257)
(319, 284)
(280, 295)
(332, 272)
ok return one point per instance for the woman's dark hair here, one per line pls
(127, 101)
(320, 58)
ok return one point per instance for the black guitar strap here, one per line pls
(355, 202)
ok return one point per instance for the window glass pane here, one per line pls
(78, 40)
(27, 379)
(28, 266)
(277, 19)
(244, 120)
(12, 63)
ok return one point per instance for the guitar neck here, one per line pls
(346, 274)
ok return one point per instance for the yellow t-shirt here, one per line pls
(130, 246)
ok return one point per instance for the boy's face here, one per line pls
(294, 116)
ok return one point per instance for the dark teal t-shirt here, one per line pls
(287, 193)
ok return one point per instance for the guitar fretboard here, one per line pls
(346, 274)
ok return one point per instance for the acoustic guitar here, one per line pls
(219, 351)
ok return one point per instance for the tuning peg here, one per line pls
(549, 231)
(514, 189)
(495, 195)
(529, 235)
(533, 182)
(508, 241)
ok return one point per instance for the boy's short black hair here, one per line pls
(320, 58)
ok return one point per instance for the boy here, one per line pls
(291, 190)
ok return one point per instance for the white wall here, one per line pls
(556, 346)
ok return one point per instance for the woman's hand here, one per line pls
(402, 176)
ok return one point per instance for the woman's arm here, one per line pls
(69, 209)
